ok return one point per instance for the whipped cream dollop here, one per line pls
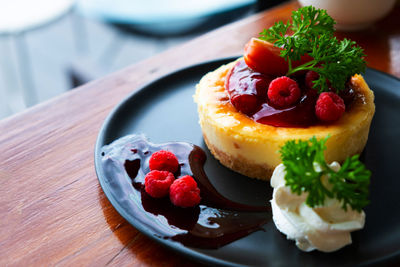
(326, 228)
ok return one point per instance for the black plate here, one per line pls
(164, 111)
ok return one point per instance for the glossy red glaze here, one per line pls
(247, 89)
(242, 80)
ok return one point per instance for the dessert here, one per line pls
(244, 128)
(194, 216)
(248, 115)
(318, 204)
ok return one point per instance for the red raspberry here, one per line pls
(283, 92)
(184, 192)
(157, 183)
(247, 104)
(329, 107)
(164, 161)
(310, 77)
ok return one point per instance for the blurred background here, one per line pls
(48, 47)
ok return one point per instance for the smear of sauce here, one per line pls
(216, 222)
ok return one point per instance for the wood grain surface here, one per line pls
(52, 209)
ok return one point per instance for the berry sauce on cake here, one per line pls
(242, 84)
(262, 98)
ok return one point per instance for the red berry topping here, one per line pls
(348, 94)
(184, 192)
(247, 104)
(283, 92)
(164, 161)
(329, 107)
(157, 183)
(310, 77)
(247, 89)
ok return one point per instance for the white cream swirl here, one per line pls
(326, 228)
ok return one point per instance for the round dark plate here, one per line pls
(164, 111)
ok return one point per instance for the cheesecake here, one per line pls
(251, 148)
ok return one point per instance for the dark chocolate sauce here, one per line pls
(217, 221)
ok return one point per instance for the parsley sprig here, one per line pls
(311, 32)
(305, 167)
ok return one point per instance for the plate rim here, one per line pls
(171, 245)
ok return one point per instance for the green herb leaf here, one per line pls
(311, 32)
(305, 167)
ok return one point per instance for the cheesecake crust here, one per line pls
(240, 164)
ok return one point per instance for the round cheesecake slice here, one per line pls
(252, 148)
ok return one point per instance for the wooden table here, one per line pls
(52, 209)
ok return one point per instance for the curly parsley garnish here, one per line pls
(311, 32)
(305, 167)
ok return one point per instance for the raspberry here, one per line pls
(310, 77)
(184, 192)
(164, 161)
(329, 107)
(157, 183)
(283, 92)
(247, 104)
